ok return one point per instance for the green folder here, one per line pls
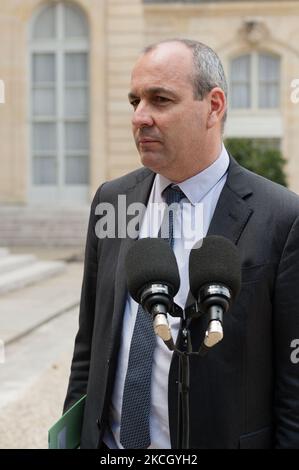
(66, 433)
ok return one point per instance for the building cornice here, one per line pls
(267, 8)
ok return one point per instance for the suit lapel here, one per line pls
(232, 211)
(139, 193)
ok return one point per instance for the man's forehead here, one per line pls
(163, 69)
(148, 84)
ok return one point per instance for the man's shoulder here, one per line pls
(124, 183)
(267, 192)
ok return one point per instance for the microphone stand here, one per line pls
(183, 431)
(213, 336)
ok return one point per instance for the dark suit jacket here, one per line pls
(245, 392)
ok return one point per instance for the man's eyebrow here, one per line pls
(131, 96)
(153, 91)
(159, 89)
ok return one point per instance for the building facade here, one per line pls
(65, 70)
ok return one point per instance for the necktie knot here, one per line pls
(173, 193)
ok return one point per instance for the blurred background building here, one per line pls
(65, 123)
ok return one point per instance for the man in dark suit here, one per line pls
(245, 392)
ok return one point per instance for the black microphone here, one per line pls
(153, 281)
(215, 280)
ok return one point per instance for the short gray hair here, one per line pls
(208, 69)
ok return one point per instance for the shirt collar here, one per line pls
(196, 187)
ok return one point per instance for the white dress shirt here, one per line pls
(202, 191)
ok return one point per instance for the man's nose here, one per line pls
(142, 116)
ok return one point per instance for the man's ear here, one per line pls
(217, 106)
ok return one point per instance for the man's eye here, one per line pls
(134, 103)
(161, 99)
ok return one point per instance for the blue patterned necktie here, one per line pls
(136, 405)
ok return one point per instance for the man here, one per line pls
(245, 392)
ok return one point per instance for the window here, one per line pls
(240, 82)
(59, 97)
(255, 81)
(269, 70)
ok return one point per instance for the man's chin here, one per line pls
(151, 161)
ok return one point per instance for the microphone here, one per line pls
(215, 280)
(153, 280)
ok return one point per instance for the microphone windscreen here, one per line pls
(151, 260)
(216, 261)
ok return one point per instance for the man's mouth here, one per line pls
(147, 141)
